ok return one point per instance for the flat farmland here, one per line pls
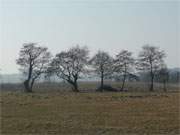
(88, 113)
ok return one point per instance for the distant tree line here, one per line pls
(72, 64)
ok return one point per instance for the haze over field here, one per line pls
(89, 67)
(107, 25)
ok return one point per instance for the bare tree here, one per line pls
(123, 64)
(149, 60)
(34, 61)
(70, 65)
(177, 76)
(163, 76)
(102, 64)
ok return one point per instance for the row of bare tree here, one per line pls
(70, 65)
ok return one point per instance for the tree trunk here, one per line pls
(124, 78)
(74, 84)
(75, 87)
(27, 82)
(32, 83)
(177, 78)
(102, 81)
(152, 77)
(123, 83)
(26, 86)
(164, 85)
(152, 82)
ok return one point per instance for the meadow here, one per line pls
(90, 113)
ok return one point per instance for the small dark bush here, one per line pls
(107, 88)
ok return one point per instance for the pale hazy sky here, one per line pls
(110, 25)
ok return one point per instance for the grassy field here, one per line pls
(106, 113)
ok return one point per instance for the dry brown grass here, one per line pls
(108, 113)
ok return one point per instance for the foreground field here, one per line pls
(90, 113)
